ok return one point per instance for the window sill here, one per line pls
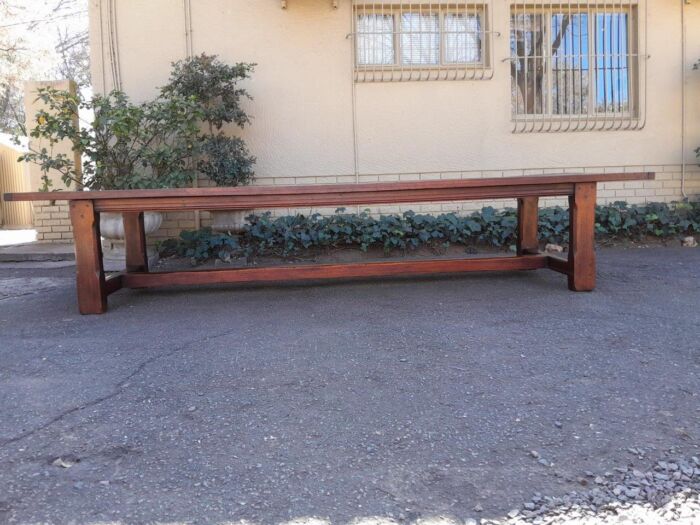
(558, 123)
(423, 73)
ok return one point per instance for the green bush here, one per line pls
(216, 87)
(225, 160)
(124, 145)
(160, 143)
(289, 235)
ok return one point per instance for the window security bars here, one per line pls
(405, 41)
(577, 65)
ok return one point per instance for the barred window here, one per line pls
(462, 38)
(421, 41)
(420, 38)
(375, 39)
(575, 67)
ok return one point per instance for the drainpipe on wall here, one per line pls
(114, 45)
(353, 93)
(187, 5)
(189, 52)
(683, 80)
(102, 47)
(353, 102)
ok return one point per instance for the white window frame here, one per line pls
(443, 69)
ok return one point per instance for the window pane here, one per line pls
(528, 65)
(570, 67)
(375, 40)
(612, 63)
(462, 38)
(420, 38)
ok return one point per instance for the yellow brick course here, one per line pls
(52, 222)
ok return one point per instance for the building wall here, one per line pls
(312, 125)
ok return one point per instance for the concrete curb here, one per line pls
(37, 252)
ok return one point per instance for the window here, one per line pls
(427, 41)
(420, 39)
(462, 38)
(575, 68)
(375, 39)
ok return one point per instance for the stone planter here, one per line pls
(229, 221)
(112, 231)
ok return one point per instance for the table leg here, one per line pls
(135, 241)
(90, 276)
(527, 242)
(582, 237)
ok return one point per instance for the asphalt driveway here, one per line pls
(409, 399)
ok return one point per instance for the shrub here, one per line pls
(155, 144)
(288, 235)
(226, 161)
(124, 146)
(203, 244)
(215, 87)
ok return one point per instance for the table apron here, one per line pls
(248, 202)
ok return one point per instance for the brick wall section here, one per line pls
(52, 222)
(666, 188)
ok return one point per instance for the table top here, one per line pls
(337, 189)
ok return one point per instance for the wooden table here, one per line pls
(94, 286)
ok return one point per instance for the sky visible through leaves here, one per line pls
(39, 40)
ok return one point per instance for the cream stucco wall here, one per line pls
(304, 111)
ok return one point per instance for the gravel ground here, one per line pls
(497, 398)
(669, 493)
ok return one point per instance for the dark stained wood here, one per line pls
(334, 271)
(93, 288)
(527, 242)
(332, 198)
(114, 283)
(582, 238)
(558, 264)
(90, 276)
(351, 193)
(135, 242)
